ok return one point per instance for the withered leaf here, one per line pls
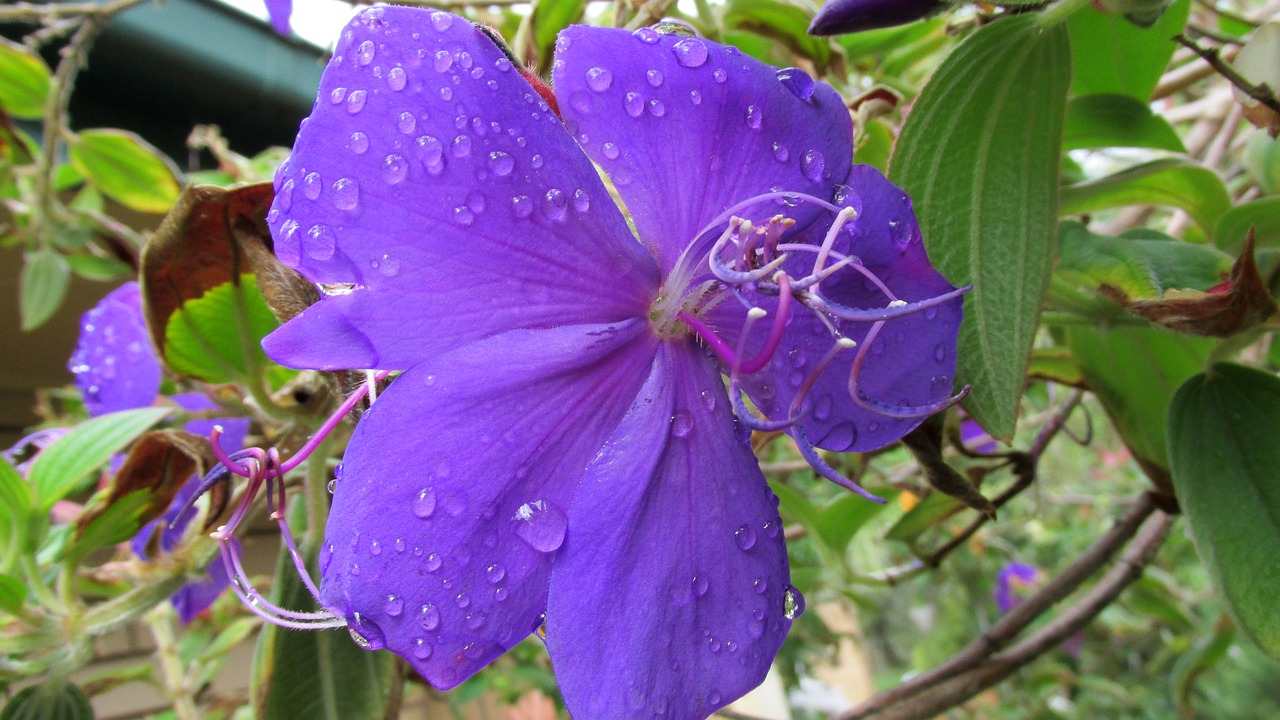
(159, 463)
(212, 236)
(1244, 303)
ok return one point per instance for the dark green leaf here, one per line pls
(45, 278)
(202, 339)
(1134, 372)
(979, 154)
(319, 675)
(126, 168)
(1262, 216)
(51, 701)
(62, 467)
(1223, 426)
(1170, 182)
(24, 81)
(1204, 655)
(1102, 121)
(98, 268)
(113, 524)
(1141, 265)
(1112, 55)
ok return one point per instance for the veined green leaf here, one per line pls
(45, 278)
(1102, 121)
(1262, 216)
(52, 701)
(1112, 55)
(1171, 182)
(1223, 426)
(1142, 265)
(126, 168)
(979, 153)
(24, 81)
(202, 340)
(62, 467)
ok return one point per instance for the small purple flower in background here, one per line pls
(838, 17)
(1014, 581)
(113, 363)
(975, 438)
(116, 369)
(560, 448)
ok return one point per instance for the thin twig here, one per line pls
(1020, 616)
(1260, 92)
(31, 13)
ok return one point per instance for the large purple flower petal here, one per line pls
(456, 488)
(668, 597)
(194, 597)
(687, 128)
(113, 363)
(435, 189)
(911, 360)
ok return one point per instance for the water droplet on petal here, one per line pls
(780, 152)
(337, 95)
(646, 35)
(719, 75)
(476, 619)
(396, 79)
(393, 605)
(521, 206)
(609, 150)
(441, 21)
(463, 216)
(495, 573)
(500, 163)
(364, 54)
(476, 202)
(792, 603)
(681, 424)
(581, 201)
(700, 585)
(346, 194)
(761, 586)
(654, 77)
(461, 146)
(406, 123)
(754, 117)
(312, 185)
(320, 242)
(536, 161)
(394, 169)
(657, 108)
(421, 649)
(812, 165)
(424, 505)
(366, 634)
(428, 617)
(798, 82)
(554, 204)
(442, 61)
(940, 352)
(599, 78)
(358, 143)
(580, 101)
(462, 600)
(745, 537)
(634, 104)
(541, 525)
(690, 52)
(355, 101)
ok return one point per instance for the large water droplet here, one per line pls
(554, 204)
(461, 146)
(428, 617)
(690, 52)
(424, 505)
(536, 161)
(657, 108)
(406, 123)
(700, 585)
(581, 201)
(433, 562)
(719, 75)
(476, 619)
(754, 117)
(463, 216)
(442, 61)
(346, 194)
(500, 163)
(541, 525)
(365, 53)
(441, 21)
(761, 586)
(394, 169)
(599, 78)
(609, 150)
(792, 603)
(312, 185)
(812, 165)
(681, 424)
(695, 97)
(745, 537)
(798, 82)
(393, 605)
(337, 95)
(646, 35)
(462, 600)
(495, 573)
(421, 649)
(396, 79)
(521, 206)
(366, 634)
(355, 101)
(634, 104)
(780, 152)
(320, 242)
(940, 352)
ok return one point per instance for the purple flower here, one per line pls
(279, 12)
(1013, 582)
(560, 447)
(113, 363)
(838, 17)
(116, 369)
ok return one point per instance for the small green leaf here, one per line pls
(783, 23)
(13, 593)
(1142, 265)
(843, 517)
(321, 675)
(126, 168)
(52, 701)
(1134, 372)
(202, 341)
(16, 502)
(1171, 182)
(117, 523)
(1112, 55)
(1262, 216)
(24, 81)
(876, 43)
(1102, 121)
(99, 268)
(1223, 426)
(62, 467)
(934, 507)
(45, 278)
(979, 154)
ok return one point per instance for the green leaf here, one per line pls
(319, 675)
(1112, 55)
(1263, 216)
(60, 469)
(783, 22)
(1171, 182)
(1223, 426)
(45, 278)
(98, 268)
(13, 593)
(1134, 373)
(24, 81)
(1142, 265)
(934, 507)
(552, 16)
(1262, 162)
(843, 517)
(202, 340)
(1102, 121)
(875, 43)
(126, 168)
(979, 154)
(52, 701)
(115, 524)
(16, 502)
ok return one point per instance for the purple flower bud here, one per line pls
(848, 16)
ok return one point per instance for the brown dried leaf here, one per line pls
(1243, 303)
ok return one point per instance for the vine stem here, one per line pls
(160, 621)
